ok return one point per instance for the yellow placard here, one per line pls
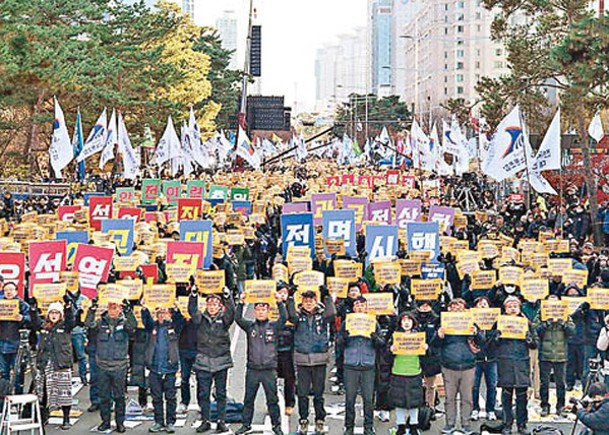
(298, 251)
(360, 324)
(485, 318)
(309, 278)
(573, 302)
(134, 287)
(538, 260)
(510, 253)
(488, 250)
(409, 343)
(421, 256)
(70, 278)
(210, 281)
(159, 296)
(457, 323)
(554, 310)
(335, 246)
(410, 267)
(137, 313)
(338, 286)
(426, 289)
(280, 272)
(126, 264)
(387, 273)
(112, 293)
(235, 239)
(575, 276)
(9, 309)
(467, 267)
(180, 272)
(535, 289)
(558, 266)
(510, 275)
(467, 255)
(182, 302)
(347, 269)
(380, 304)
(514, 327)
(599, 298)
(49, 292)
(483, 279)
(299, 264)
(259, 290)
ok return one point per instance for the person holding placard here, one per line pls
(262, 339)
(114, 328)
(592, 321)
(54, 361)
(429, 322)
(360, 358)
(311, 353)
(285, 356)
(162, 357)
(213, 353)
(188, 354)
(575, 342)
(486, 364)
(344, 306)
(458, 368)
(9, 334)
(78, 332)
(553, 334)
(514, 366)
(406, 386)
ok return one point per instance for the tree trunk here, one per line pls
(589, 177)
(32, 134)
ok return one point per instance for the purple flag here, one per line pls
(321, 202)
(407, 210)
(380, 212)
(360, 205)
(445, 216)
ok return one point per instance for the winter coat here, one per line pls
(112, 345)
(553, 338)
(592, 321)
(56, 344)
(360, 352)
(456, 350)
(311, 334)
(9, 329)
(513, 360)
(262, 339)
(213, 337)
(429, 323)
(598, 420)
(162, 350)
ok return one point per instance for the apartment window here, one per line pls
(446, 18)
(479, 28)
(460, 17)
(477, 52)
(477, 65)
(445, 67)
(446, 6)
(460, 29)
(477, 77)
(460, 42)
(459, 65)
(498, 52)
(478, 16)
(459, 89)
(460, 5)
(445, 79)
(446, 55)
(446, 30)
(459, 78)
(498, 64)
(460, 53)
(445, 91)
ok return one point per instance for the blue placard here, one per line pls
(297, 230)
(423, 236)
(432, 270)
(340, 224)
(199, 231)
(121, 234)
(244, 207)
(381, 241)
(72, 238)
(88, 195)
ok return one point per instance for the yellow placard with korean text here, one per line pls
(599, 298)
(426, 289)
(338, 286)
(360, 324)
(180, 272)
(467, 267)
(259, 290)
(485, 318)
(409, 343)
(134, 287)
(554, 310)
(387, 273)
(280, 272)
(49, 292)
(348, 269)
(114, 293)
(9, 309)
(558, 266)
(575, 276)
(380, 304)
(410, 267)
(70, 278)
(126, 264)
(299, 264)
(457, 323)
(309, 278)
(210, 281)
(513, 327)
(573, 302)
(535, 289)
(159, 296)
(510, 275)
(483, 279)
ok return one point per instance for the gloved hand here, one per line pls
(323, 292)
(126, 306)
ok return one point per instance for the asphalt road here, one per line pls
(261, 424)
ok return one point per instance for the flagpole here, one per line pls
(526, 160)
(241, 118)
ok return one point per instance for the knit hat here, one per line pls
(512, 299)
(56, 306)
(597, 389)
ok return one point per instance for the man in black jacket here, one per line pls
(9, 334)
(112, 358)
(311, 353)
(213, 353)
(262, 336)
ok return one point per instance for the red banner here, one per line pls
(189, 209)
(100, 208)
(12, 269)
(408, 180)
(148, 270)
(393, 177)
(46, 261)
(333, 180)
(92, 264)
(65, 213)
(130, 213)
(186, 253)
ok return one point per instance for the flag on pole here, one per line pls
(548, 156)
(111, 140)
(131, 159)
(60, 151)
(246, 151)
(595, 129)
(77, 144)
(506, 154)
(97, 138)
(169, 145)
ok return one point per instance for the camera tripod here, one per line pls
(24, 362)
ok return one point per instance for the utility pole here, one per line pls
(241, 119)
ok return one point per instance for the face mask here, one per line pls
(510, 289)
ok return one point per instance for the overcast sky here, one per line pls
(292, 30)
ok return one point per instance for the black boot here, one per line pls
(414, 429)
(401, 429)
(66, 418)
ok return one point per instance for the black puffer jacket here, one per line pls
(56, 343)
(213, 337)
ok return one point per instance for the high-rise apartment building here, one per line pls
(227, 27)
(381, 43)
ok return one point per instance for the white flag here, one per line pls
(506, 154)
(131, 160)
(111, 140)
(595, 129)
(385, 139)
(60, 151)
(449, 141)
(548, 156)
(186, 142)
(421, 153)
(97, 138)
(540, 184)
(169, 145)
(246, 151)
(199, 151)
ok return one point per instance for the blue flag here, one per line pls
(77, 144)
(424, 236)
(381, 241)
(297, 230)
(121, 233)
(340, 224)
(201, 232)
